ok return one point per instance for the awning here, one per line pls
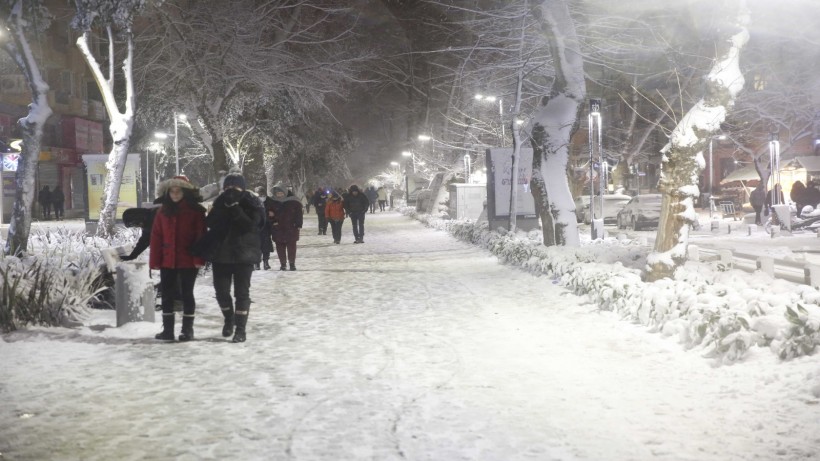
(746, 173)
(810, 163)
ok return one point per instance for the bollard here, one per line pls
(715, 226)
(749, 231)
(694, 252)
(729, 227)
(766, 265)
(812, 275)
(775, 230)
(134, 293)
(726, 258)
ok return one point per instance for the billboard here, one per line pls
(96, 174)
(499, 182)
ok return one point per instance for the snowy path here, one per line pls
(411, 346)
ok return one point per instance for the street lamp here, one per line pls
(593, 119)
(712, 169)
(774, 163)
(492, 99)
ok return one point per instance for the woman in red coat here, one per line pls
(178, 224)
(285, 218)
(335, 214)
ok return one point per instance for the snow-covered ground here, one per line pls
(411, 346)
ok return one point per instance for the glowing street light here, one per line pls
(424, 137)
(711, 170)
(492, 99)
(593, 119)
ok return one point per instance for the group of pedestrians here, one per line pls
(52, 200)
(240, 230)
(332, 207)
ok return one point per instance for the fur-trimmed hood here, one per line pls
(177, 181)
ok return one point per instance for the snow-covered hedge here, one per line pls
(723, 312)
(55, 282)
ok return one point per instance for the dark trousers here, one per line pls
(46, 209)
(322, 221)
(286, 252)
(382, 204)
(336, 229)
(171, 282)
(240, 275)
(758, 211)
(357, 220)
(58, 211)
(372, 206)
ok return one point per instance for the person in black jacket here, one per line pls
(319, 200)
(235, 222)
(58, 202)
(356, 205)
(144, 219)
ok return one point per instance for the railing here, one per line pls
(794, 271)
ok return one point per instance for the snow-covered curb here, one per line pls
(723, 312)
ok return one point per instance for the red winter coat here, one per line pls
(172, 237)
(334, 210)
(285, 218)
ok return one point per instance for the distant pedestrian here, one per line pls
(372, 197)
(178, 224)
(285, 218)
(45, 202)
(235, 222)
(58, 202)
(335, 214)
(758, 200)
(265, 242)
(319, 201)
(356, 205)
(381, 194)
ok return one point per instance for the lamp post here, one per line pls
(467, 173)
(774, 164)
(177, 118)
(594, 119)
(712, 170)
(492, 99)
(407, 172)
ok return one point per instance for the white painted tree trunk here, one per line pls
(683, 156)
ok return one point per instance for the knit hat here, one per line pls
(180, 181)
(279, 188)
(353, 188)
(234, 180)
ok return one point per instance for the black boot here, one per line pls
(292, 266)
(283, 267)
(256, 267)
(241, 321)
(227, 328)
(187, 333)
(167, 333)
(266, 266)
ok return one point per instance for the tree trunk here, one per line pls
(24, 178)
(555, 123)
(683, 156)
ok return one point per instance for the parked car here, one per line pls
(613, 203)
(581, 205)
(641, 212)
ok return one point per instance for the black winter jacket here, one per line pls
(236, 230)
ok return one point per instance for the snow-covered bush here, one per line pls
(722, 311)
(55, 282)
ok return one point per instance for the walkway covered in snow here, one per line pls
(411, 346)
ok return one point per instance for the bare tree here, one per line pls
(115, 18)
(683, 155)
(20, 23)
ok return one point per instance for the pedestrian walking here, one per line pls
(233, 247)
(757, 198)
(381, 196)
(372, 197)
(178, 224)
(58, 202)
(265, 243)
(285, 216)
(319, 201)
(356, 205)
(335, 214)
(45, 202)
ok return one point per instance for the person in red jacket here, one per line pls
(335, 214)
(285, 218)
(178, 224)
